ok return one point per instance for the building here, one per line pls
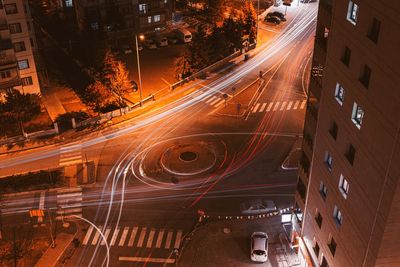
(348, 193)
(17, 45)
(122, 18)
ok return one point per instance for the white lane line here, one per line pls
(178, 239)
(211, 99)
(123, 236)
(141, 237)
(303, 104)
(296, 104)
(69, 190)
(169, 239)
(151, 260)
(69, 211)
(219, 104)
(215, 101)
(87, 236)
(70, 162)
(160, 238)
(289, 105)
(276, 106)
(70, 195)
(255, 108)
(64, 159)
(150, 238)
(41, 205)
(269, 106)
(283, 105)
(262, 107)
(106, 234)
(96, 236)
(132, 237)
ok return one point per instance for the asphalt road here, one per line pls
(146, 197)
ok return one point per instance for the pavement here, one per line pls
(227, 243)
(53, 254)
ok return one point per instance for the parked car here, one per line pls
(273, 19)
(183, 35)
(126, 49)
(150, 44)
(161, 40)
(257, 206)
(172, 39)
(278, 14)
(259, 247)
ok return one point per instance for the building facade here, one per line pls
(123, 17)
(17, 46)
(348, 193)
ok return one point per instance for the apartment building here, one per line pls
(17, 45)
(120, 18)
(348, 193)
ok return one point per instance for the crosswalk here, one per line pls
(214, 100)
(69, 203)
(134, 236)
(70, 155)
(279, 106)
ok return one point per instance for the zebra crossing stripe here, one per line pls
(114, 236)
(263, 107)
(283, 105)
(255, 108)
(141, 237)
(123, 236)
(178, 239)
(106, 234)
(87, 236)
(169, 239)
(96, 236)
(303, 104)
(150, 239)
(220, 103)
(132, 237)
(211, 99)
(296, 105)
(276, 106)
(215, 101)
(289, 105)
(270, 106)
(160, 238)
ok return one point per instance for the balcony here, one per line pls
(8, 62)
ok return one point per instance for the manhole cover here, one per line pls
(188, 156)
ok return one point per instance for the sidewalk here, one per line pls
(227, 243)
(52, 255)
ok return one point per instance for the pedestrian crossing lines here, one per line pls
(279, 106)
(70, 155)
(214, 101)
(139, 237)
(69, 203)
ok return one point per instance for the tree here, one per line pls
(233, 31)
(100, 97)
(250, 20)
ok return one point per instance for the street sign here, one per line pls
(36, 213)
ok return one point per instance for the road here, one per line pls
(201, 152)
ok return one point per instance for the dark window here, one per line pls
(5, 74)
(323, 190)
(365, 76)
(328, 160)
(32, 43)
(373, 34)
(346, 56)
(332, 246)
(318, 219)
(301, 188)
(10, 9)
(26, 81)
(25, 10)
(316, 248)
(333, 130)
(19, 46)
(15, 27)
(351, 153)
(337, 216)
(324, 263)
(28, 25)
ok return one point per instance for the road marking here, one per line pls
(276, 106)
(289, 105)
(283, 105)
(255, 108)
(263, 107)
(87, 236)
(96, 236)
(65, 210)
(215, 101)
(150, 239)
(103, 241)
(69, 190)
(303, 104)
(296, 104)
(220, 103)
(270, 106)
(211, 99)
(132, 237)
(41, 205)
(159, 238)
(60, 197)
(178, 239)
(123, 236)
(141, 237)
(169, 239)
(114, 236)
(152, 260)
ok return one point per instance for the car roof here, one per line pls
(259, 242)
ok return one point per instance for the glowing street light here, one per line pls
(141, 37)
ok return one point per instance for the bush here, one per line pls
(64, 121)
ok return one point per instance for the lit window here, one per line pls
(157, 18)
(352, 12)
(357, 115)
(142, 8)
(328, 161)
(337, 216)
(323, 190)
(339, 94)
(344, 186)
(149, 19)
(23, 64)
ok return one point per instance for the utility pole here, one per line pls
(138, 65)
(258, 14)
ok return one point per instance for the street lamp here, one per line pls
(258, 14)
(141, 37)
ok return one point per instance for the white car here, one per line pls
(259, 247)
(257, 206)
(150, 44)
